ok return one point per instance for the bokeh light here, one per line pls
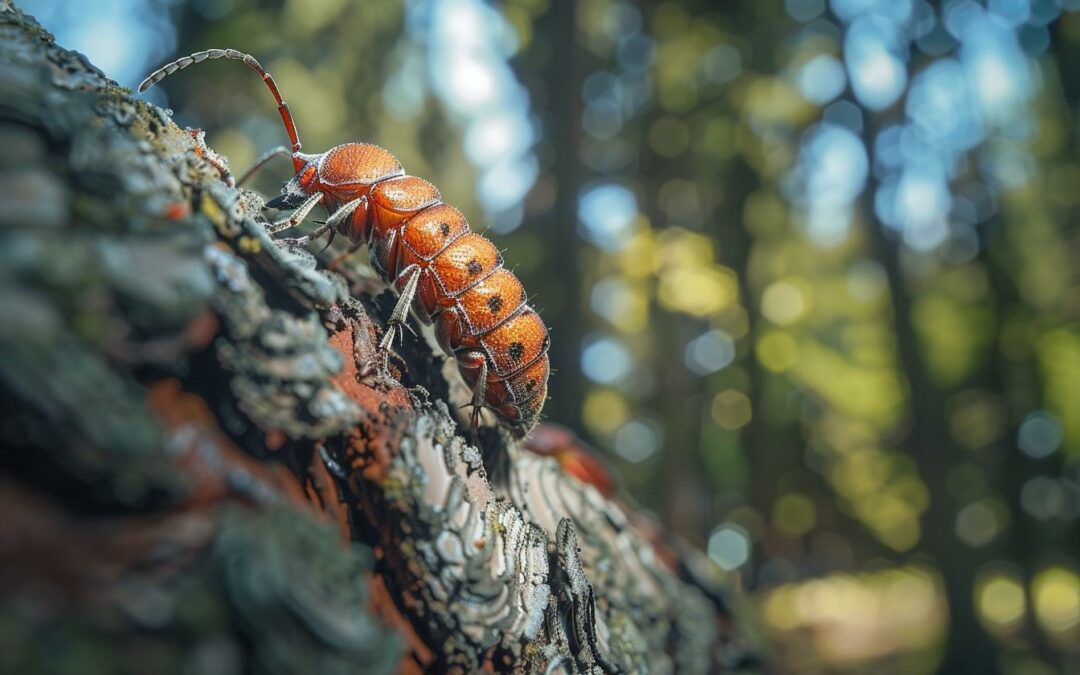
(729, 547)
(125, 38)
(809, 266)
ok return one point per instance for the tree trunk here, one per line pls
(202, 471)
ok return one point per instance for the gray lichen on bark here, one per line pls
(135, 537)
(176, 382)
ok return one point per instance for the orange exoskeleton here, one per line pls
(445, 273)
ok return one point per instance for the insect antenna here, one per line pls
(198, 57)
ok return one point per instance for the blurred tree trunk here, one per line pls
(967, 648)
(562, 64)
(202, 473)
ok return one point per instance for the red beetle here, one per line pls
(446, 274)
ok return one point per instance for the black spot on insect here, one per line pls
(516, 351)
(546, 343)
(474, 267)
(495, 304)
(445, 229)
(530, 385)
(498, 260)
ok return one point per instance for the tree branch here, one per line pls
(201, 470)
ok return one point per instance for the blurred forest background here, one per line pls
(810, 269)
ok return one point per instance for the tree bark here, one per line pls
(203, 473)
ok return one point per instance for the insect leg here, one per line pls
(401, 309)
(329, 240)
(396, 322)
(279, 151)
(341, 215)
(476, 359)
(332, 223)
(297, 216)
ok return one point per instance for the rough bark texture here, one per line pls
(200, 474)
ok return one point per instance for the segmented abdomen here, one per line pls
(478, 306)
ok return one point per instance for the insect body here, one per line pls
(446, 274)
